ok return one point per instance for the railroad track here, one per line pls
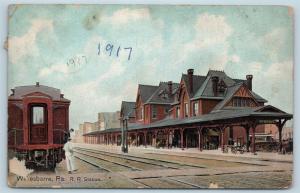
(113, 162)
(117, 162)
(138, 163)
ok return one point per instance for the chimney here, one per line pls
(215, 80)
(249, 81)
(13, 92)
(61, 95)
(170, 84)
(37, 84)
(190, 73)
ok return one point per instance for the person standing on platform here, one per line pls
(68, 148)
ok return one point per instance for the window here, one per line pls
(195, 108)
(154, 112)
(186, 109)
(167, 110)
(142, 113)
(38, 115)
(177, 112)
(146, 114)
(241, 102)
(234, 102)
(230, 140)
(248, 103)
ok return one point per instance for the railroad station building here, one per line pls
(204, 112)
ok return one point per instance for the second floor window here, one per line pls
(177, 112)
(167, 110)
(241, 102)
(154, 112)
(186, 110)
(142, 113)
(195, 108)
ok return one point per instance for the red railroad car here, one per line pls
(38, 125)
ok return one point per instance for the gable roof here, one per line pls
(258, 98)
(161, 94)
(202, 88)
(269, 108)
(146, 91)
(229, 93)
(128, 109)
(206, 89)
(197, 82)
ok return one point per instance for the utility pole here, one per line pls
(125, 134)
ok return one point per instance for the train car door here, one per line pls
(38, 131)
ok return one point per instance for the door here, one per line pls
(38, 124)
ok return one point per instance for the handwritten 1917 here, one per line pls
(111, 51)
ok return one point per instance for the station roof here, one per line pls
(227, 114)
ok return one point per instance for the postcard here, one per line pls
(150, 96)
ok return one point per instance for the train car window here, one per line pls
(38, 115)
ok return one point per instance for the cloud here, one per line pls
(116, 69)
(257, 66)
(211, 29)
(20, 46)
(211, 41)
(275, 45)
(91, 94)
(235, 58)
(76, 63)
(274, 83)
(123, 16)
(274, 42)
(46, 71)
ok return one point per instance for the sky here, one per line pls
(98, 54)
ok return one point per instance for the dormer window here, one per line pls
(222, 86)
(163, 94)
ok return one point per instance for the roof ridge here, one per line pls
(194, 75)
(128, 101)
(147, 85)
(216, 70)
(40, 85)
(236, 84)
(168, 81)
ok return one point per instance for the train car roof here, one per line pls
(20, 91)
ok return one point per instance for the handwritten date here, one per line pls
(111, 50)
